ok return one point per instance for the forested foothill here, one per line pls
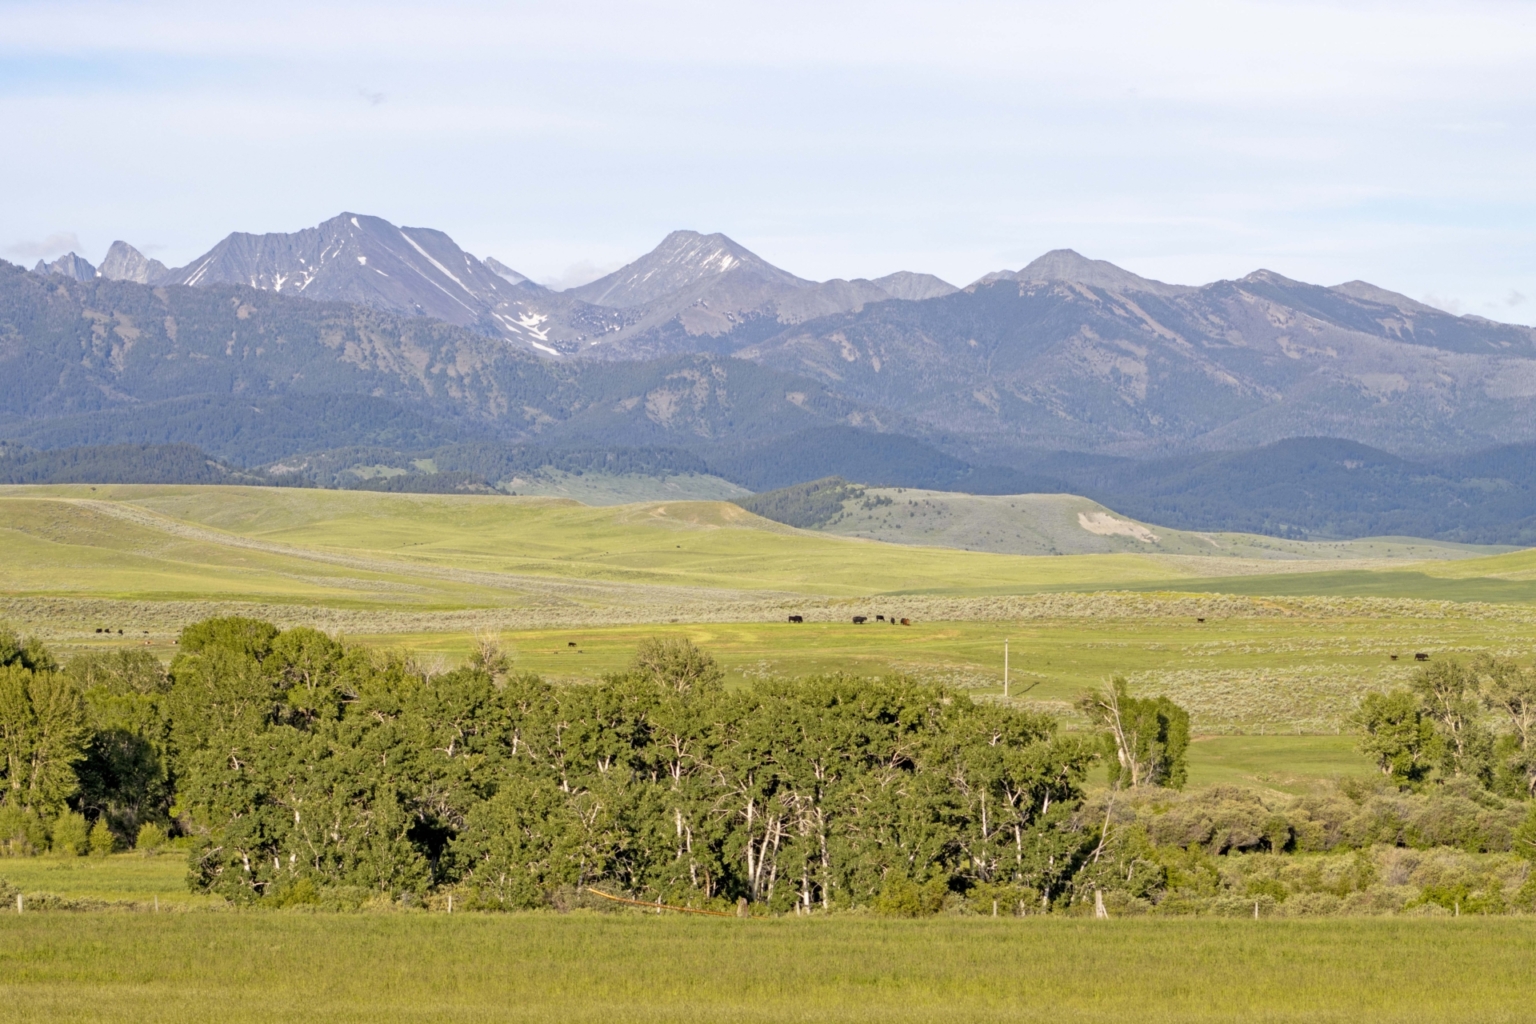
(291, 768)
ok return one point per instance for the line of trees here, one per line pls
(293, 767)
(1457, 721)
(293, 762)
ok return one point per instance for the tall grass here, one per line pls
(420, 968)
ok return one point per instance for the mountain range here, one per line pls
(1066, 353)
(702, 285)
(359, 336)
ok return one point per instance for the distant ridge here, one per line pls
(1068, 265)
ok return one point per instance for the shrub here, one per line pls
(299, 893)
(21, 832)
(71, 835)
(151, 839)
(902, 897)
(102, 841)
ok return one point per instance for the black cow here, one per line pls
(859, 620)
(879, 618)
(797, 618)
(1421, 656)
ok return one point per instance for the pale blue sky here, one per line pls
(1394, 142)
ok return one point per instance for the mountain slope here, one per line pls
(913, 287)
(119, 464)
(125, 263)
(256, 375)
(1319, 487)
(694, 291)
(368, 261)
(1074, 354)
(69, 265)
(677, 299)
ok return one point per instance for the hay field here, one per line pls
(421, 967)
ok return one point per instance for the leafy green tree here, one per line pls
(677, 665)
(1509, 691)
(29, 654)
(297, 756)
(1448, 696)
(151, 838)
(1397, 734)
(522, 844)
(42, 736)
(1148, 736)
(302, 762)
(125, 776)
(1524, 840)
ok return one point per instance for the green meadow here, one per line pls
(419, 967)
(1294, 633)
(1269, 646)
(351, 549)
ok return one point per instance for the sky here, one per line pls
(1186, 141)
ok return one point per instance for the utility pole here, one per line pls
(1005, 666)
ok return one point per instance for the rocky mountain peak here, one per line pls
(683, 260)
(125, 263)
(1069, 265)
(69, 265)
(914, 287)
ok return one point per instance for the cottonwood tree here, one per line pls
(1148, 736)
(1448, 695)
(42, 736)
(125, 775)
(1398, 736)
(1509, 690)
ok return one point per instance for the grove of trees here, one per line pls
(292, 767)
(289, 758)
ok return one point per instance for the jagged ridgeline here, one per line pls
(253, 376)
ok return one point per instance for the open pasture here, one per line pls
(122, 878)
(433, 574)
(638, 967)
(363, 550)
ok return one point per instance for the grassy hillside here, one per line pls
(624, 488)
(132, 541)
(363, 550)
(1064, 524)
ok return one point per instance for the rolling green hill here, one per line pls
(549, 559)
(1051, 524)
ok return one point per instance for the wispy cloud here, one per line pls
(55, 244)
(579, 273)
(1189, 140)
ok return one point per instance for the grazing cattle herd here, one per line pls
(859, 620)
